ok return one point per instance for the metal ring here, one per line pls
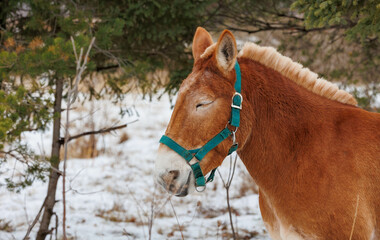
(229, 124)
(200, 188)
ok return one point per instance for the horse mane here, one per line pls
(269, 57)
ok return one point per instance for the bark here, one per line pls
(54, 175)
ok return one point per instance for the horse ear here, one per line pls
(226, 51)
(202, 40)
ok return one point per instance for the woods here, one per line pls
(137, 41)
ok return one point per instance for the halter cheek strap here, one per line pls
(200, 153)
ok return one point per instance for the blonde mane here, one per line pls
(269, 57)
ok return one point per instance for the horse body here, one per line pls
(315, 157)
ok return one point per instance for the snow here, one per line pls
(111, 196)
(376, 102)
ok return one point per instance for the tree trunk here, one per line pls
(54, 160)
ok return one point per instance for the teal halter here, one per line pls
(200, 153)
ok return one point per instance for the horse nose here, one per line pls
(174, 174)
(170, 177)
(168, 180)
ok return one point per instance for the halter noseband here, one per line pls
(200, 153)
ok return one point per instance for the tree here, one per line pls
(360, 24)
(338, 39)
(37, 64)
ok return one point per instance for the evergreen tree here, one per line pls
(358, 25)
(337, 39)
(37, 64)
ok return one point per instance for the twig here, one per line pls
(72, 95)
(175, 214)
(25, 210)
(78, 192)
(356, 214)
(227, 185)
(150, 226)
(26, 161)
(157, 210)
(56, 227)
(34, 221)
(139, 209)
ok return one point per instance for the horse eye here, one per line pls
(203, 103)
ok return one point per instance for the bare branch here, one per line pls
(282, 27)
(23, 159)
(119, 61)
(103, 68)
(100, 131)
(72, 95)
(75, 50)
(26, 237)
(176, 217)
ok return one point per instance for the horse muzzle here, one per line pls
(170, 182)
(174, 174)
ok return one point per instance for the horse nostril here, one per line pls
(174, 173)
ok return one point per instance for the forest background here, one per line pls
(145, 46)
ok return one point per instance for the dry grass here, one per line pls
(124, 137)
(176, 228)
(84, 148)
(245, 234)
(208, 212)
(117, 213)
(6, 226)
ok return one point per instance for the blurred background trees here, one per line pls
(145, 46)
(337, 39)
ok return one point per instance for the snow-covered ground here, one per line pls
(112, 196)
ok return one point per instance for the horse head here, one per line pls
(202, 110)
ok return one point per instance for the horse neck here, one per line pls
(281, 117)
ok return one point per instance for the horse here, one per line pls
(313, 153)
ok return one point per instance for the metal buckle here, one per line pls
(241, 102)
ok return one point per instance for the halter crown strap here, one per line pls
(200, 153)
(237, 99)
